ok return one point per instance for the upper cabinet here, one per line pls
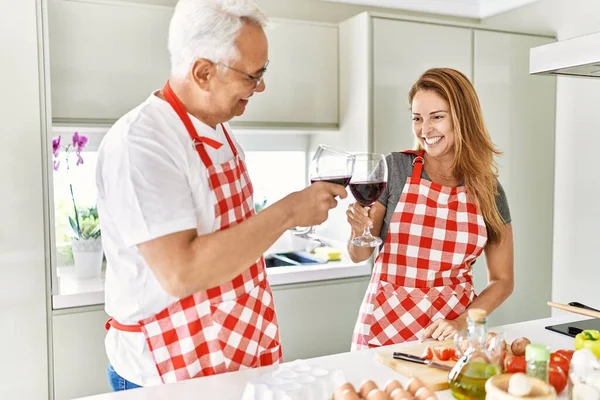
(402, 51)
(302, 79)
(107, 57)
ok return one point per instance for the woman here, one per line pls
(443, 206)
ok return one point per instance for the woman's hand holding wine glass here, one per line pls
(368, 182)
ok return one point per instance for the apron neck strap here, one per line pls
(199, 141)
(417, 163)
(233, 148)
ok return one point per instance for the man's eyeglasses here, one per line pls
(257, 79)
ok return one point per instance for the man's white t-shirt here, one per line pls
(151, 183)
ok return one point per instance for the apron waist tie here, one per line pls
(120, 327)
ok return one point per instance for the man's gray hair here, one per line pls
(208, 29)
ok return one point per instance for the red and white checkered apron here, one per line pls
(423, 271)
(225, 328)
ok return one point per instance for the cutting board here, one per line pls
(434, 378)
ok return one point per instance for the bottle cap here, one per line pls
(477, 314)
(537, 352)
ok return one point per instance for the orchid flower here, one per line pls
(78, 145)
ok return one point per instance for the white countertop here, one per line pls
(77, 292)
(357, 366)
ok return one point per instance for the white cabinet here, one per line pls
(519, 111)
(317, 319)
(107, 57)
(23, 249)
(80, 360)
(302, 79)
(402, 51)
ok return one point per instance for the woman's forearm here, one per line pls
(495, 293)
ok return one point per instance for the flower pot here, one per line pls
(87, 254)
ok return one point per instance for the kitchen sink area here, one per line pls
(290, 260)
(294, 258)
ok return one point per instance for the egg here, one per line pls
(424, 393)
(413, 384)
(391, 385)
(519, 385)
(349, 394)
(377, 394)
(400, 394)
(366, 387)
(341, 389)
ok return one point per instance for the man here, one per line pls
(186, 283)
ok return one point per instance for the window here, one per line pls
(82, 180)
(275, 174)
(277, 164)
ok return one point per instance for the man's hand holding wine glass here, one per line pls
(311, 205)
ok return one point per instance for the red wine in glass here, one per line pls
(368, 182)
(366, 193)
(328, 165)
(339, 180)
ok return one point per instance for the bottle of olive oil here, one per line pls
(479, 360)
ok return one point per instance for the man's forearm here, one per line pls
(219, 257)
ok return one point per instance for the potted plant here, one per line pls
(86, 241)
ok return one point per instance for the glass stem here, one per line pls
(367, 231)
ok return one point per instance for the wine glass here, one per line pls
(367, 184)
(328, 165)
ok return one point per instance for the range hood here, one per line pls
(579, 56)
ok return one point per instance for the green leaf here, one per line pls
(74, 227)
(95, 232)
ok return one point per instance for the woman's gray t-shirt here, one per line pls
(399, 169)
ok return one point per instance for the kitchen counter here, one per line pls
(77, 292)
(356, 366)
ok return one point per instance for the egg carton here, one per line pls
(297, 380)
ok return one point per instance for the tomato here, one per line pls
(442, 353)
(568, 354)
(557, 378)
(454, 356)
(427, 354)
(515, 364)
(560, 361)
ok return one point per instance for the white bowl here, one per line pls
(297, 380)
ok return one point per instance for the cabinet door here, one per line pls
(519, 111)
(302, 79)
(312, 323)
(105, 58)
(402, 51)
(78, 351)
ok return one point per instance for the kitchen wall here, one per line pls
(577, 176)
(23, 336)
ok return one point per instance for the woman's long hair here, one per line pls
(474, 151)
